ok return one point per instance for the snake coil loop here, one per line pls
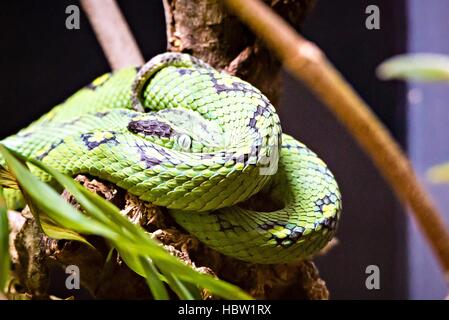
(156, 64)
(199, 153)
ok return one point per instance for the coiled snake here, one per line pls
(182, 135)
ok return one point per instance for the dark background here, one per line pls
(42, 63)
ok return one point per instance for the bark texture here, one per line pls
(36, 257)
(207, 30)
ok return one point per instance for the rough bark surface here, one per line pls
(207, 30)
(112, 279)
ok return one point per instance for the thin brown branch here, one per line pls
(307, 62)
(113, 33)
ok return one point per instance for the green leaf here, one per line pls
(214, 285)
(57, 232)
(49, 227)
(6, 179)
(133, 243)
(50, 202)
(97, 207)
(4, 243)
(152, 277)
(419, 67)
(179, 288)
(142, 244)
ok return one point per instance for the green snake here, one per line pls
(182, 135)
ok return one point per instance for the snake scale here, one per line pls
(182, 135)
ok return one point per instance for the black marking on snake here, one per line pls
(52, 147)
(204, 127)
(329, 223)
(323, 170)
(100, 114)
(228, 156)
(45, 122)
(267, 226)
(326, 200)
(298, 147)
(92, 143)
(150, 128)
(252, 122)
(259, 111)
(224, 224)
(235, 85)
(162, 151)
(184, 71)
(241, 158)
(323, 201)
(128, 113)
(236, 158)
(24, 135)
(149, 161)
(69, 123)
(206, 156)
(93, 87)
(296, 232)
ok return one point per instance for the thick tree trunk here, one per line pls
(207, 30)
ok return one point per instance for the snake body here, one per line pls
(182, 135)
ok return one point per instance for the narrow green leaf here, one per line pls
(84, 197)
(50, 202)
(19, 296)
(154, 282)
(105, 220)
(109, 256)
(97, 207)
(186, 273)
(419, 67)
(7, 180)
(131, 258)
(169, 263)
(4, 243)
(57, 232)
(178, 287)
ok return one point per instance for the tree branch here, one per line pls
(113, 33)
(205, 29)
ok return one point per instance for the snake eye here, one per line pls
(184, 141)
